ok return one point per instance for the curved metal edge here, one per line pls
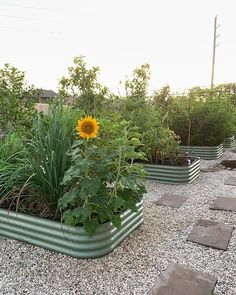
(95, 246)
(204, 152)
(174, 174)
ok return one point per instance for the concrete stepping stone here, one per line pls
(212, 234)
(224, 204)
(231, 181)
(171, 201)
(178, 280)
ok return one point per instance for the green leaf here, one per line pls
(94, 185)
(71, 173)
(117, 203)
(69, 198)
(85, 183)
(129, 183)
(116, 220)
(77, 143)
(84, 164)
(67, 178)
(129, 196)
(68, 218)
(135, 141)
(125, 194)
(83, 194)
(134, 134)
(91, 185)
(103, 214)
(91, 225)
(77, 213)
(86, 212)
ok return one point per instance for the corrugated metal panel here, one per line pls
(173, 174)
(73, 241)
(228, 142)
(204, 152)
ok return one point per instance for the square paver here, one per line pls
(212, 234)
(178, 280)
(231, 181)
(171, 201)
(224, 204)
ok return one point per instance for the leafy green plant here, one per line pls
(16, 101)
(12, 166)
(102, 181)
(161, 99)
(83, 86)
(203, 122)
(137, 86)
(160, 144)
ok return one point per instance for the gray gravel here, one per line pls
(138, 262)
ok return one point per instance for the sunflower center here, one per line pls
(87, 127)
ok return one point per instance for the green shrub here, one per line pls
(202, 122)
(16, 101)
(13, 171)
(82, 84)
(160, 144)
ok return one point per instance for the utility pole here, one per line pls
(216, 26)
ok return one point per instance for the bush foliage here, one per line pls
(16, 101)
(202, 122)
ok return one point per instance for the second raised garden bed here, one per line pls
(204, 152)
(173, 174)
(228, 142)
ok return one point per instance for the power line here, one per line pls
(20, 17)
(28, 30)
(31, 7)
(72, 10)
(27, 18)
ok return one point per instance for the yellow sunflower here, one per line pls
(87, 127)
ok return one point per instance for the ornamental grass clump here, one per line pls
(32, 169)
(102, 180)
(47, 160)
(12, 167)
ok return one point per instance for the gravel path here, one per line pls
(138, 262)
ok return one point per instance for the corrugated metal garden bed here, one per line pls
(73, 241)
(228, 142)
(173, 174)
(204, 152)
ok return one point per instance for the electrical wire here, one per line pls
(29, 30)
(31, 7)
(20, 17)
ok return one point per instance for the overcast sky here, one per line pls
(175, 37)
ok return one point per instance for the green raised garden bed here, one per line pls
(228, 142)
(73, 241)
(173, 174)
(204, 152)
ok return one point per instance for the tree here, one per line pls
(137, 86)
(16, 100)
(162, 98)
(83, 85)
